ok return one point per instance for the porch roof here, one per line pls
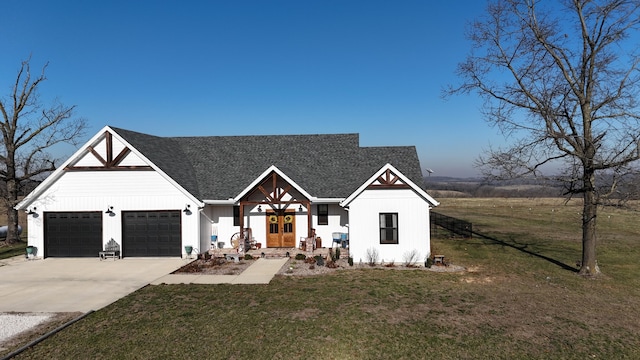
(220, 167)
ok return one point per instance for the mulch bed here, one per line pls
(214, 266)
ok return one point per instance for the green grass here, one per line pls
(7, 250)
(518, 300)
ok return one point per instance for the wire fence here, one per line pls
(457, 226)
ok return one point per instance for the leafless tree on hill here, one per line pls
(561, 80)
(29, 129)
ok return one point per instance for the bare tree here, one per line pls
(28, 131)
(563, 81)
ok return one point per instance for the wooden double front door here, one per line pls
(281, 229)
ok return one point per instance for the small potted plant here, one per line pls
(30, 251)
(188, 249)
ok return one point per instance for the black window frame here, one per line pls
(236, 215)
(387, 230)
(323, 215)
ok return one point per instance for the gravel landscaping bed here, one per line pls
(301, 268)
(220, 266)
(18, 329)
(12, 324)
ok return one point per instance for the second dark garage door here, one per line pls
(151, 233)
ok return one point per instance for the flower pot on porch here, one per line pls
(188, 249)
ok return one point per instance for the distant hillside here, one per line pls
(626, 187)
(442, 186)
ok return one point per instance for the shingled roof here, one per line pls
(220, 167)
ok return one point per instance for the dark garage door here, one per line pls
(72, 234)
(151, 233)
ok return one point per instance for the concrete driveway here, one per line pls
(70, 285)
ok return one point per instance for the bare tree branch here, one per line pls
(29, 130)
(563, 79)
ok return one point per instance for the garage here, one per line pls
(151, 233)
(72, 234)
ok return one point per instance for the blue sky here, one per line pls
(181, 68)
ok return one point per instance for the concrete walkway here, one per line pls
(260, 272)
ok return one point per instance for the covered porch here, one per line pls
(279, 214)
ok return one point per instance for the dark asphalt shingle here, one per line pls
(220, 167)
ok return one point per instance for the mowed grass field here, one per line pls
(520, 298)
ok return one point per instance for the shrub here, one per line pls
(248, 257)
(410, 258)
(301, 256)
(372, 256)
(350, 261)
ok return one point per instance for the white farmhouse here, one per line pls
(158, 196)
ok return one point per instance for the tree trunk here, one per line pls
(12, 198)
(589, 265)
(13, 235)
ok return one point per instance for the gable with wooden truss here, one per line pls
(389, 178)
(276, 192)
(108, 153)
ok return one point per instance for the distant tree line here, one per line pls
(624, 190)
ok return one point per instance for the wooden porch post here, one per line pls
(309, 222)
(241, 222)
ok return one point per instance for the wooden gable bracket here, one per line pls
(273, 198)
(275, 195)
(388, 180)
(110, 163)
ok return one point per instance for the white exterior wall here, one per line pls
(125, 191)
(222, 217)
(413, 225)
(222, 223)
(338, 222)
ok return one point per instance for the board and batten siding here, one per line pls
(77, 191)
(337, 222)
(222, 217)
(413, 225)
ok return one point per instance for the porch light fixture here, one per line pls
(259, 208)
(187, 209)
(110, 211)
(32, 211)
(300, 208)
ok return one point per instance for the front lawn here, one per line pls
(519, 299)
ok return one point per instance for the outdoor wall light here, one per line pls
(187, 209)
(300, 208)
(110, 211)
(32, 211)
(259, 208)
